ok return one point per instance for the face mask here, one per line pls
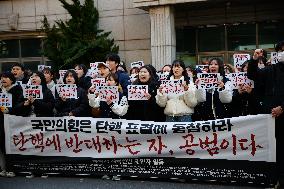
(280, 56)
(166, 73)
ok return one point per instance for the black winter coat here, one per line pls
(146, 110)
(245, 104)
(17, 101)
(85, 82)
(269, 81)
(43, 107)
(79, 107)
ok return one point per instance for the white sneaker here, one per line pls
(3, 173)
(10, 174)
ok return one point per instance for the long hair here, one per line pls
(83, 67)
(73, 73)
(43, 80)
(184, 73)
(151, 79)
(220, 63)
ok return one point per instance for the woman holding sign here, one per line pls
(71, 100)
(110, 108)
(41, 106)
(177, 94)
(12, 101)
(142, 105)
(215, 101)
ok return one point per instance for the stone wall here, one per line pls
(130, 26)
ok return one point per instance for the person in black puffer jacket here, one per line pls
(8, 86)
(72, 107)
(145, 110)
(40, 107)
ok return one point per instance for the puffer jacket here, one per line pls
(178, 104)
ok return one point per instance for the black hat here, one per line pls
(9, 75)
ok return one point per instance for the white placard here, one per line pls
(34, 91)
(137, 92)
(67, 90)
(41, 67)
(239, 59)
(173, 87)
(203, 68)
(274, 58)
(137, 64)
(239, 79)
(208, 80)
(108, 92)
(6, 100)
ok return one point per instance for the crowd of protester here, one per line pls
(195, 104)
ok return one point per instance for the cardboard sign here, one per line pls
(6, 100)
(239, 59)
(137, 92)
(208, 80)
(33, 90)
(67, 90)
(108, 92)
(174, 87)
(137, 64)
(239, 79)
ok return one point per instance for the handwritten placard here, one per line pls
(137, 92)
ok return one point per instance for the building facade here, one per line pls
(155, 31)
(20, 23)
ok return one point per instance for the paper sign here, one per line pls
(6, 99)
(173, 86)
(203, 68)
(33, 90)
(163, 76)
(41, 67)
(137, 64)
(274, 58)
(239, 59)
(208, 80)
(239, 79)
(67, 90)
(108, 92)
(137, 92)
(98, 82)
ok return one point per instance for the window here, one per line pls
(26, 51)
(223, 42)
(211, 39)
(270, 34)
(241, 37)
(10, 49)
(30, 47)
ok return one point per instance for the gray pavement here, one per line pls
(97, 183)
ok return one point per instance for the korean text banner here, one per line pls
(241, 138)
